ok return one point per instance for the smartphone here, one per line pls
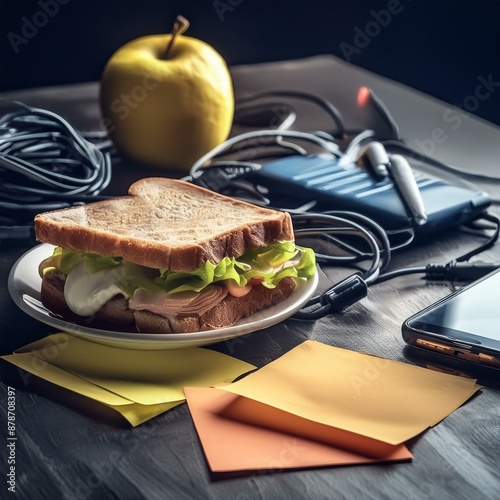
(464, 325)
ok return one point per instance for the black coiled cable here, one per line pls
(45, 164)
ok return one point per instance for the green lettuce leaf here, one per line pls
(268, 265)
(69, 259)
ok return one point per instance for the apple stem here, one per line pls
(181, 24)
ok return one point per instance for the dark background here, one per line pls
(443, 48)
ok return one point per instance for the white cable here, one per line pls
(290, 134)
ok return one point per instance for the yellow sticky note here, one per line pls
(137, 414)
(145, 377)
(134, 413)
(380, 399)
(65, 379)
(137, 384)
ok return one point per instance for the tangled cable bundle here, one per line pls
(45, 163)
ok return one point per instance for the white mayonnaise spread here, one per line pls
(86, 293)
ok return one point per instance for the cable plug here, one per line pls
(459, 271)
(345, 293)
(335, 299)
(219, 177)
(214, 179)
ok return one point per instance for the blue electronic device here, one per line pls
(347, 187)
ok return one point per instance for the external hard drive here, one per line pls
(336, 186)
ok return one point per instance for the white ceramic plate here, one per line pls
(24, 288)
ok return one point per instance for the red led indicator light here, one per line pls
(363, 96)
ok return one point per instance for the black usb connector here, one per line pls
(335, 299)
(214, 179)
(346, 293)
(221, 175)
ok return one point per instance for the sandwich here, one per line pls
(170, 257)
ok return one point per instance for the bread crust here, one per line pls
(116, 312)
(165, 223)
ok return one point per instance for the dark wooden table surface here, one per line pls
(65, 452)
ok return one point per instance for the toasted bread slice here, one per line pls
(165, 223)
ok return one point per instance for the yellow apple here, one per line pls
(167, 100)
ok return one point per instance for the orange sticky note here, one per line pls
(232, 445)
